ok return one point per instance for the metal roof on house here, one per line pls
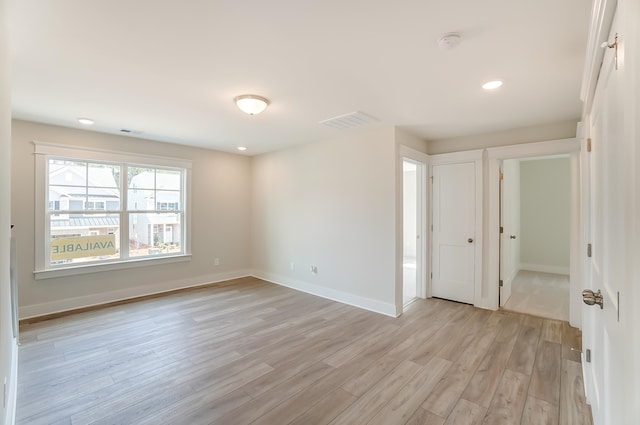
(86, 222)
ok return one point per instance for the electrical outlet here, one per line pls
(216, 261)
(292, 265)
(314, 269)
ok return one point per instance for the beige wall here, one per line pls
(545, 202)
(409, 140)
(220, 219)
(540, 133)
(8, 346)
(334, 204)
(331, 204)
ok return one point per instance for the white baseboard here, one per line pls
(58, 306)
(514, 273)
(543, 268)
(332, 294)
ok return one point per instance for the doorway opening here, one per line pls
(411, 188)
(535, 221)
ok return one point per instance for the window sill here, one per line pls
(95, 268)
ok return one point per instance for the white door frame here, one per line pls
(527, 150)
(474, 156)
(422, 265)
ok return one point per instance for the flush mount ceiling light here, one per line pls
(251, 104)
(492, 85)
(85, 121)
(242, 148)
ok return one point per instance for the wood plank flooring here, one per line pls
(250, 352)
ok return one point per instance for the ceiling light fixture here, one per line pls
(251, 104)
(492, 85)
(242, 148)
(85, 121)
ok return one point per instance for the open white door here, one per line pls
(454, 231)
(509, 226)
(610, 215)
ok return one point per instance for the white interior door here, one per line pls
(609, 215)
(510, 224)
(454, 231)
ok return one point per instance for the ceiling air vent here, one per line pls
(128, 131)
(351, 120)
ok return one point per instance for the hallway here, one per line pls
(540, 294)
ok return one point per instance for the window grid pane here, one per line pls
(85, 216)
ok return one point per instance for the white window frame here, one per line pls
(43, 151)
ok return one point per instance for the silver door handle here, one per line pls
(590, 298)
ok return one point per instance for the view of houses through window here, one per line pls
(91, 218)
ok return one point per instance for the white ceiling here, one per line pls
(170, 69)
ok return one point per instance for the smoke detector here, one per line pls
(449, 41)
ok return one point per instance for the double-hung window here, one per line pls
(99, 210)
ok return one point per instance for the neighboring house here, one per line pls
(68, 185)
(149, 229)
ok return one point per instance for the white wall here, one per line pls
(8, 346)
(221, 205)
(545, 205)
(331, 204)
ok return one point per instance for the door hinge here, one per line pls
(501, 175)
(432, 227)
(501, 283)
(501, 229)
(589, 144)
(586, 353)
(431, 275)
(589, 250)
(431, 179)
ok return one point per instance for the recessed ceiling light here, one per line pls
(242, 148)
(85, 121)
(491, 85)
(449, 41)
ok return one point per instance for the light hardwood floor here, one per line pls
(253, 352)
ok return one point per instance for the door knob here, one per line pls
(590, 298)
(470, 240)
(512, 237)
